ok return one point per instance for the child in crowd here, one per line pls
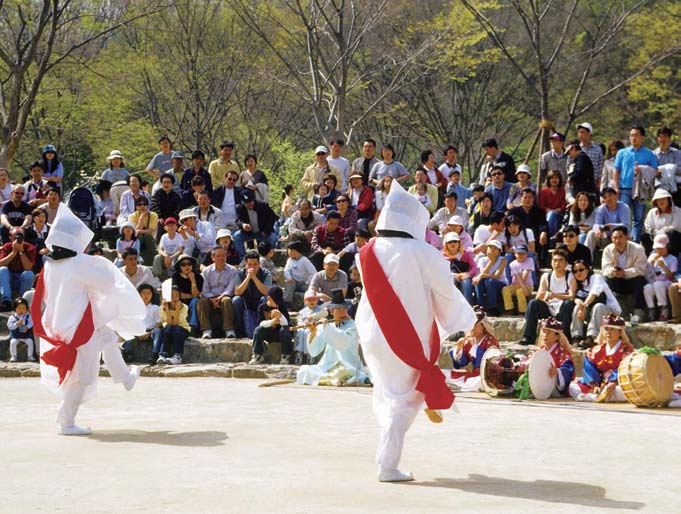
(355, 289)
(311, 313)
(20, 325)
(298, 271)
(468, 353)
(664, 266)
(347, 254)
(552, 338)
(521, 281)
(274, 326)
(175, 330)
(321, 200)
(127, 239)
(422, 194)
(152, 324)
(224, 238)
(266, 252)
(492, 277)
(170, 247)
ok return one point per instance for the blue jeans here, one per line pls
(172, 338)
(466, 288)
(554, 220)
(638, 211)
(487, 293)
(9, 281)
(193, 316)
(155, 337)
(239, 306)
(241, 237)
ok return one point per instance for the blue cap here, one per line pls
(177, 155)
(520, 249)
(49, 148)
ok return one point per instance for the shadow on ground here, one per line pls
(166, 438)
(551, 491)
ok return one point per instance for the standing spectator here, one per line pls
(663, 218)
(420, 178)
(363, 165)
(190, 284)
(667, 154)
(441, 218)
(339, 162)
(53, 171)
(552, 201)
(302, 225)
(219, 167)
(388, 166)
(175, 329)
(146, 223)
(627, 168)
(166, 202)
(554, 159)
(495, 157)
(433, 175)
(227, 197)
(361, 199)
(499, 189)
(582, 215)
(255, 221)
(451, 155)
(624, 266)
(315, 173)
(298, 271)
(611, 214)
(254, 179)
(580, 170)
(128, 198)
(136, 273)
(608, 175)
(463, 194)
(162, 161)
(523, 174)
(116, 171)
(461, 264)
(36, 188)
(219, 282)
(17, 258)
(591, 149)
(521, 284)
(274, 325)
(15, 213)
(664, 267)
(170, 247)
(328, 238)
(329, 279)
(20, 325)
(5, 187)
(197, 170)
(176, 172)
(253, 283)
(491, 279)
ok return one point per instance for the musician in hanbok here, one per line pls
(552, 339)
(340, 363)
(599, 382)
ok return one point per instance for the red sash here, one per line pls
(400, 333)
(63, 355)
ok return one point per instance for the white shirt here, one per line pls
(447, 170)
(343, 166)
(152, 317)
(228, 208)
(171, 246)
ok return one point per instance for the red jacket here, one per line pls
(365, 204)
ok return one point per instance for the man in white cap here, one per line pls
(87, 301)
(314, 174)
(409, 304)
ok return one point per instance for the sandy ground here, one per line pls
(227, 446)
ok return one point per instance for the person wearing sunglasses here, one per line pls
(348, 215)
(593, 301)
(575, 250)
(15, 213)
(499, 189)
(226, 198)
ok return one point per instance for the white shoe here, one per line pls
(207, 334)
(134, 375)
(257, 359)
(175, 359)
(73, 430)
(230, 334)
(162, 360)
(298, 359)
(285, 359)
(394, 475)
(12, 359)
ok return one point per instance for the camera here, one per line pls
(19, 238)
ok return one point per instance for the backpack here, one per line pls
(83, 204)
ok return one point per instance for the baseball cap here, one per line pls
(332, 257)
(661, 241)
(451, 236)
(608, 190)
(557, 136)
(520, 249)
(585, 125)
(321, 149)
(169, 220)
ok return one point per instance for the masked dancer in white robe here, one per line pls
(80, 303)
(409, 304)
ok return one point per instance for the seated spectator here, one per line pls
(523, 174)
(266, 252)
(499, 189)
(254, 179)
(15, 212)
(324, 199)
(624, 266)
(361, 199)
(5, 186)
(224, 238)
(382, 190)
(17, 258)
(105, 203)
(170, 247)
(600, 376)
(219, 282)
(388, 167)
(516, 234)
(461, 264)
(20, 328)
(127, 239)
(197, 170)
(227, 198)
(349, 252)
(146, 223)
(554, 298)
(456, 225)
(608, 216)
(274, 326)
(451, 155)
(484, 234)
(575, 251)
(491, 278)
(593, 301)
(522, 269)
(328, 238)
(483, 212)
(664, 266)
(355, 290)
(463, 193)
(166, 202)
(197, 236)
(176, 171)
(533, 217)
(255, 221)
(473, 203)
(302, 225)
(129, 197)
(190, 284)
(36, 234)
(289, 205)
(433, 175)
(175, 330)
(582, 215)
(552, 201)
(135, 272)
(298, 272)
(442, 216)
(253, 282)
(309, 314)
(207, 212)
(152, 326)
(348, 215)
(36, 188)
(312, 178)
(330, 278)
(190, 198)
(116, 171)
(52, 204)
(663, 218)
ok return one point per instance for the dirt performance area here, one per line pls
(210, 445)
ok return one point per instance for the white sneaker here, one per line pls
(12, 359)
(134, 375)
(257, 359)
(162, 360)
(298, 359)
(394, 475)
(285, 359)
(73, 430)
(175, 359)
(230, 334)
(207, 334)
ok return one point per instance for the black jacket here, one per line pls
(582, 176)
(266, 216)
(166, 205)
(218, 196)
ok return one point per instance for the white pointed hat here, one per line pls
(404, 213)
(68, 231)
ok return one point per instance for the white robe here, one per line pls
(422, 281)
